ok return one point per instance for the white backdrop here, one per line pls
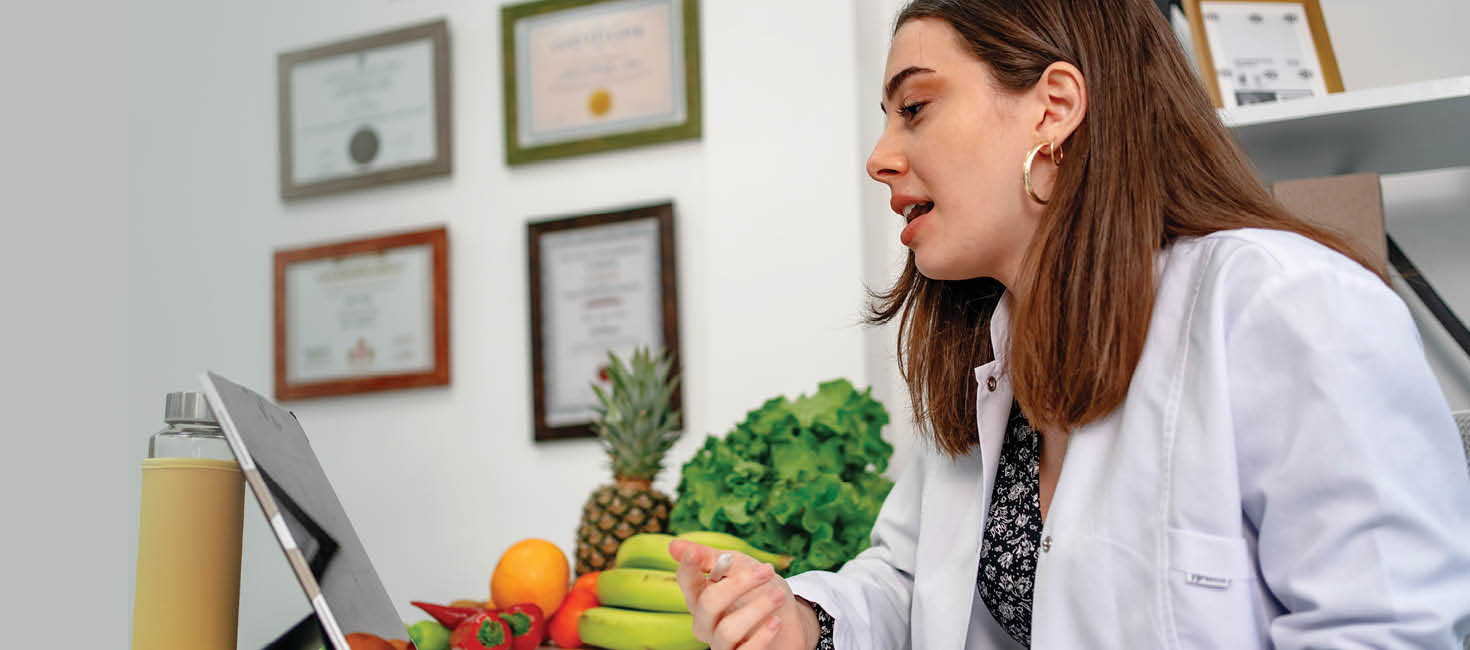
(440, 481)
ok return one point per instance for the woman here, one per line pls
(1165, 412)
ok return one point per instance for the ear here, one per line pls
(1062, 94)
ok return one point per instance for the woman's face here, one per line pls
(951, 154)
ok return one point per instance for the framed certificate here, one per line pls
(364, 112)
(1258, 51)
(362, 316)
(593, 75)
(599, 282)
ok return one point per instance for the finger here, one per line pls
(693, 559)
(744, 621)
(707, 612)
(763, 635)
(747, 575)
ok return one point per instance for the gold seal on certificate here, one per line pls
(363, 315)
(363, 112)
(599, 283)
(592, 75)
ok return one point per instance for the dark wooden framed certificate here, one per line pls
(363, 315)
(598, 283)
(363, 112)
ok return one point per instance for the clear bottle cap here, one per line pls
(188, 408)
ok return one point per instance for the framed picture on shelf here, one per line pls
(368, 111)
(593, 75)
(598, 283)
(364, 315)
(1260, 51)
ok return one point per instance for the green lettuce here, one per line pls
(802, 477)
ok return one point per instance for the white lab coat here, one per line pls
(1284, 472)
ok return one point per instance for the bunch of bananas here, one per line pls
(642, 606)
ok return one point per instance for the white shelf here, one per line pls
(1414, 127)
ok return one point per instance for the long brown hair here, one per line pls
(1149, 163)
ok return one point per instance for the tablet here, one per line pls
(304, 514)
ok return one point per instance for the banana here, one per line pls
(651, 551)
(727, 542)
(645, 589)
(626, 629)
(646, 551)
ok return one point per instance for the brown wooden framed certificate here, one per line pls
(364, 315)
(594, 75)
(599, 282)
(1260, 51)
(364, 112)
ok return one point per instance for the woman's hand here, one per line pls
(752, 608)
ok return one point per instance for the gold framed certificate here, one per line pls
(593, 75)
(599, 283)
(364, 315)
(1261, 51)
(365, 112)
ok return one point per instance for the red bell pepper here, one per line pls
(482, 631)
(527, 624)
(449, 617)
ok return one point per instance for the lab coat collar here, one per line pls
(1000, 322)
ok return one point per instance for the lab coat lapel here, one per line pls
(948, 598)
(993, 407)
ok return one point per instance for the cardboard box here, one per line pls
(1351, 205)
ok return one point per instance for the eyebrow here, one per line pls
(898, 80)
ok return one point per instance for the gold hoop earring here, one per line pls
(1026, 172)
(1056, 155)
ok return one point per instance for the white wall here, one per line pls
(440, 481)
(63, 291)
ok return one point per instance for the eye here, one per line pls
(911, 111)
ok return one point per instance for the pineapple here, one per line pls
(636, 424)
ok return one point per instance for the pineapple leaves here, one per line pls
(636, 421)
(802, 477)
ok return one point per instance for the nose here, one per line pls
(887, 162)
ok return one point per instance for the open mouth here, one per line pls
(916, 210)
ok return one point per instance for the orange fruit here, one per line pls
(360, 641)
(531, 571)
(398, 644)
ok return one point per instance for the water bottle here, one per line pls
(189, 525)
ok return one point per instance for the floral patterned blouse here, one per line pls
(1013, 530)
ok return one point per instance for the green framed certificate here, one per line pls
(594, 75)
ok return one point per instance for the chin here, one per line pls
(935, 271)
(939, 268)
